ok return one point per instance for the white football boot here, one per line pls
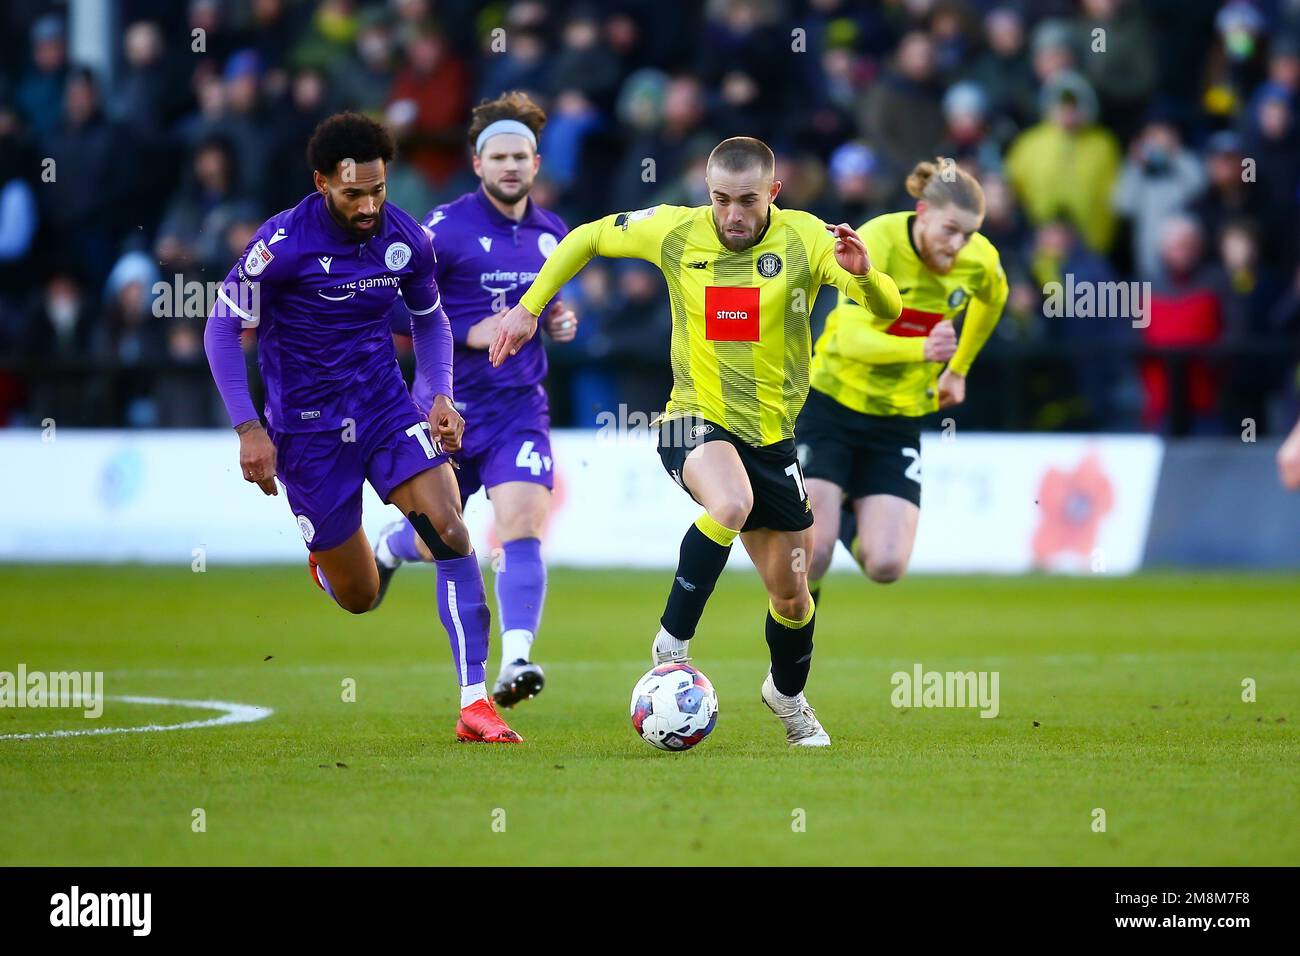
(385, 560)
(666, 649)
(802, 728)
(518, 680)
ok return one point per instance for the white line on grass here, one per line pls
(231, 714)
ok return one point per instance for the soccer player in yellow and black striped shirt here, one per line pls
(742, 278)
(874, 376)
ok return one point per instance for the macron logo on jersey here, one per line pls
(485, 242)
(325, 263)
(279, 234)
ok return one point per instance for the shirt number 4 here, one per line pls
(530, 459)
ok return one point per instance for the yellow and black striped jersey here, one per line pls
(741, 345)
(875, 363)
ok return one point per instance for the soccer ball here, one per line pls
(674, 707)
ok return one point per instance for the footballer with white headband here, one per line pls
(490, 245)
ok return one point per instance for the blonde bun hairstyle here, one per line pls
(941, 182)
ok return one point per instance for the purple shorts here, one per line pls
(323, 471)
(507, 438)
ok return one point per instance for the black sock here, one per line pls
(792, 650)
(700, 562)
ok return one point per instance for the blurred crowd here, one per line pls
(1117, 141)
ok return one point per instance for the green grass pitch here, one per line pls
(1123, 695)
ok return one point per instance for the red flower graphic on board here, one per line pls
(1071, 505)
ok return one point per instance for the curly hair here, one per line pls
(348, 136)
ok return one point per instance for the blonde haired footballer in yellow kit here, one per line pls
(874, 376)
(742, 278)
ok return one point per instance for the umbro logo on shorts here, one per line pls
(700, 430)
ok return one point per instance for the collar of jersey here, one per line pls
(336, 233)
(498, 218)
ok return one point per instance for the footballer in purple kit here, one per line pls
(491, 244)
(317, 282)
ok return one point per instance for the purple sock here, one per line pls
(403, 543)
(521, 590)
(462, 605)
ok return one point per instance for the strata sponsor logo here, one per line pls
(731, 313)
(922, 688)
(347, 290)
(73, 689)
(133, 910)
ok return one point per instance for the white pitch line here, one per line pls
(231, 714)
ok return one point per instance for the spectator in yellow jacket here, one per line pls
(1066, 166)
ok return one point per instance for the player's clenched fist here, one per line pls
(447, 424)
(952, 389)
(941, 343)
(561, 322)
(257, 456)
(850, 252)
(516, 328)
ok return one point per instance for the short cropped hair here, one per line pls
(743, 152)
(348, 136)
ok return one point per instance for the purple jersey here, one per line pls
(320, 308)
(485, 263)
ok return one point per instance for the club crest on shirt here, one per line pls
(769, 264)
(956, 296)
(397, 255)
(546, 244)
(258, 258)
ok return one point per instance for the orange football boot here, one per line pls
(480, 723)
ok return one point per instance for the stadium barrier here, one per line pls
(992, 503)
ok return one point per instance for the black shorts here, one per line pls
(780, 498)
(863, 454)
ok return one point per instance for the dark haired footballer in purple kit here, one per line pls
(317, 282)
(491, 244)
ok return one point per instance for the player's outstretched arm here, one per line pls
(624, 235)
